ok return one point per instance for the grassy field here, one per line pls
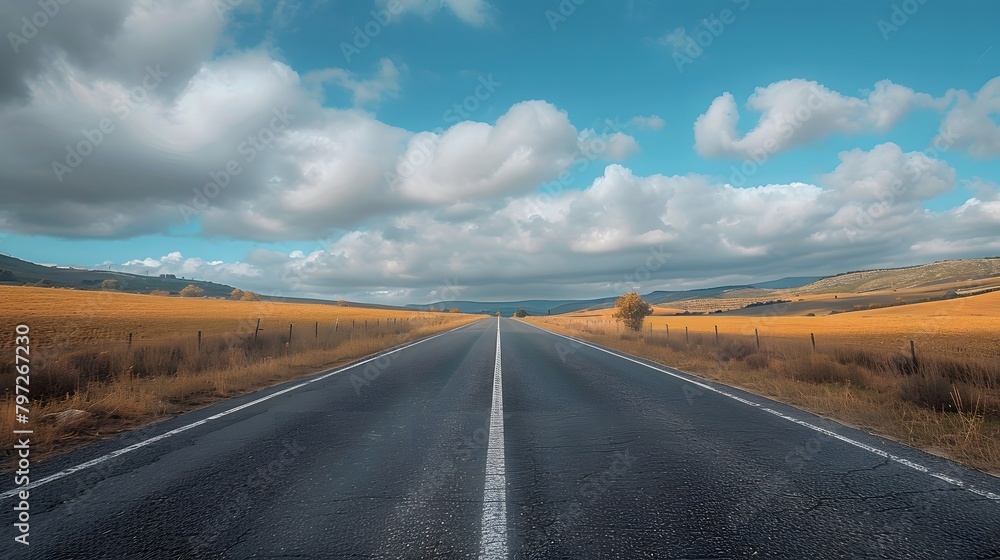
(960, 327)
(81, 359)
(861, 373)
(71, 318)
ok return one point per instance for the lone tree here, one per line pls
(192, 291)
(632, 310)
(520, 313)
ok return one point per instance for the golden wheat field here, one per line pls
(72, 318)
(963, 326)
(83, 364)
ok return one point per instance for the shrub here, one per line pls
(932, 391)
(632, 310)
(159, 293)
(111, 285)
(821, 369)
(520, 313)
(757, 361)
(192, 291)
(736, 350)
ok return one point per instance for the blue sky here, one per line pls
(625, 82)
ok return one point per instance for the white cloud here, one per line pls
(652, 122)
(886, 173)
(581, 242)
(385, 84)
(973, 122)
(473, 12)
(402, 212)
(614, 146)
(676, 39)
(795, 112)
(300, 170)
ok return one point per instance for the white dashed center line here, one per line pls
(493, 542)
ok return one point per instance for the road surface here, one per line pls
(500, 440)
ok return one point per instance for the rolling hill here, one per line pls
(16, 272)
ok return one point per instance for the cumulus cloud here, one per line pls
(244, 146)
(473, 12)
(886, 172)
(592, 241)
(652, 122)
(385, 83)
(795, 112)
(238, 273)
(972, 123)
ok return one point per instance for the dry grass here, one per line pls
(70, 318)
(948, 402)
(963, 327)
(81, 358)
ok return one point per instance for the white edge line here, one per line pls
(98, 460)
(845, 439)
(493, 536)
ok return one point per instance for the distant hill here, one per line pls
(940, 272)
(556, 307)
(15, 272)
(506, 308)
(790, 282)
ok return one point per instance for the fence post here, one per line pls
(687, 339)
(668, 332)
(129, 340)
(317, 329)
(813, 337)
(336, 327)
(716, 335)
(199, 341)
(757, 335)
(913, 353)
(289, 334)
(255, 331)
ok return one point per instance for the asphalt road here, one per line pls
(541, 448)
